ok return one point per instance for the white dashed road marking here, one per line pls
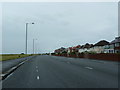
(36, 66)
(88, 67)
(38, 77)
(36, 70)
(9, 75)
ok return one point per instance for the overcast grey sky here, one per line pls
(57, 24)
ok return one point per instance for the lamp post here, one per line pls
(26, 25)
(34, 45)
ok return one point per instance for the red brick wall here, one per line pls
(101, 56)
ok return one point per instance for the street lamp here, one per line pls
(33, 44)
(26, 36)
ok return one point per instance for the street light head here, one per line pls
(33, 23)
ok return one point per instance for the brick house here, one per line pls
(60, 50)
(73, 49)
(99, 46)
(85, 48)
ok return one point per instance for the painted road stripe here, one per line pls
(9, 76)
(38, 77)
(36, 70)
(13, 68)
(98, 61)
(88, 67)
(36, 66)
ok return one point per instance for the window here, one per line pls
(117, 44)
(112, 46)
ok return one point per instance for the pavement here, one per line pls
(62, 72)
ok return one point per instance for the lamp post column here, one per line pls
(33, 46)
(26, 38)
(26, 25)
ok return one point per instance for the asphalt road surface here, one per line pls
(62, 72)
(7, 64)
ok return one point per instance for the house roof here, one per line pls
(117, 39)
(101, 43)
(75, 47)
(87, 45)
(78, 46)
(60, 49)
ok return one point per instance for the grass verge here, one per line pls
(4, 57)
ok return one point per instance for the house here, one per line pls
(57, 51)
(85, 48)
(76, 48)
(73, 50)
(69, 50)
(60, 50)
(108, 48)
(115, 45)
(81, 49)
(99, 46)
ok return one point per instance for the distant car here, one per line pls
(22, 53)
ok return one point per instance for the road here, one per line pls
(62, 72)
(7, 64)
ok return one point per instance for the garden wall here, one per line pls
(101, 56)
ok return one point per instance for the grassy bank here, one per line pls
(4, 57)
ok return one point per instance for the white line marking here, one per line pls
(36, 70)
(22, 63)
(98, 61)
(13, 68)
(36, 66)
(88, 67)
(38, 77)
(9, 75)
